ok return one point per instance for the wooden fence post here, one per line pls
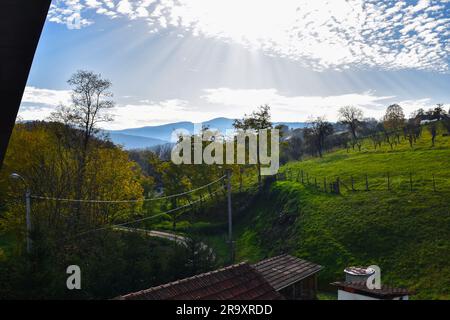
(315, 183)
(353, 183)
(367, 183)
(303, 181)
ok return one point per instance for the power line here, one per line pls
(128, 201)
(151, 217)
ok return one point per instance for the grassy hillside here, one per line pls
(406, 233)
(421, 161)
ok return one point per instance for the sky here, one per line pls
(195, 60)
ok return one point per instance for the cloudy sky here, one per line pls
(194, 60)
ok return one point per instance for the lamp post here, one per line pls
(17, 176)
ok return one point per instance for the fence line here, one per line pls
(363, 182)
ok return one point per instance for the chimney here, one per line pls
(357, 274)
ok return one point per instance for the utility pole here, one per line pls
(230, 217)
(28, 217)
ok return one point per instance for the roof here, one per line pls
(236, 282)
(361, 287)
(284, 270)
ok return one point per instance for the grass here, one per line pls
(326, 296)
(406, 233)
(422, 162)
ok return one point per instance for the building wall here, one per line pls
(305, 289)
(344, 295)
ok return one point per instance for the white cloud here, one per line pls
(41, 113)
(124, 7)
(155, 113)
(68, 12)
(321, 34)
(93, 3)
(33, 95)
(141, 12)
(292, 108)
(37, 104)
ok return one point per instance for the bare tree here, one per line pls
(91, 101)
(352, 117)
(438, 112)
(433, 132)
(317, 132)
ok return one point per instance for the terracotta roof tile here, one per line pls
(284, 270)
(361, 287)
(237, 282)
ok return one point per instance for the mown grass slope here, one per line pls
(406, 233)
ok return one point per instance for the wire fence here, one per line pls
(113, 213)
(129, 201)
(387, 181)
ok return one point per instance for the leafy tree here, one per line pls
(50, 168)
(200, 257)
(258, 120)
(91, 102)
(394, 121)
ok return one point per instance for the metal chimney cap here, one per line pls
(359, 271)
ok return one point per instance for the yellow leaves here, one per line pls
(49, 158)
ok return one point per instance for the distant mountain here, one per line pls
(162, 132)
(134, 142)
(146, 137)
(292, 125)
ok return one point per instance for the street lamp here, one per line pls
(17, 176)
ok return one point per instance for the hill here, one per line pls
(135, 138)
(405, 232)
(134, 142)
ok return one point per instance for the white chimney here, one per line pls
(357, 274)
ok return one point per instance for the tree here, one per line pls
(438, 112)
(49, 165)
(256, 121)
(317, 132)
(91, 101)
(446, 122)
(394, 120)
(433, 131)
(200, 257)
(352, 117)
